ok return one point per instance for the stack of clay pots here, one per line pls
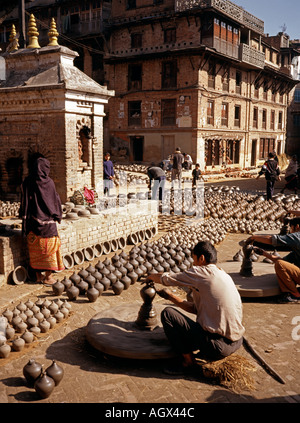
(28, 320)
(9, 209)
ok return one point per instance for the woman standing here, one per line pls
(108, 174)
(40, 211)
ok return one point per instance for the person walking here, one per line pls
(40, 212)
(178, 160)
(271, 171)
(218, 330)
(108, 174)
(197, 175)
(157, 182)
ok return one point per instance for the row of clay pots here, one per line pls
(27, 320)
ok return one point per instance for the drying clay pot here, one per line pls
(56, 372)
(44, 385)
(5, 350)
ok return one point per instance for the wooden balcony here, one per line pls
(225, 7)
(251, 56)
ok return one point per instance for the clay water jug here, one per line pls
(92, 294)
(112, 277)
(35, 330)
(65, 311)
(46, 312)
(56, 372)
(58, 288)
(31, 371)
(29, 304)
(44, 385)
(59, 316)
(97, 275)
(75, 278)
(117, 287)
(21, 327)
(90, 280)
(5, 350)
(99, 265)
(91, 269)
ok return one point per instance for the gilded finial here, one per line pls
(13, 40)
(33, 33)
(53, 34)
(12, 34)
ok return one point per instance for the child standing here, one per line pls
(197, 174)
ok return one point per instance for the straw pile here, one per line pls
(234, 372)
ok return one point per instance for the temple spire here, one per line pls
(53, 34)
(33, 33)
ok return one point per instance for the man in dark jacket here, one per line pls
(157, 181)
(271, 171)
(178, 160)
(108, 174)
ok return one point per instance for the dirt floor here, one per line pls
(90, 376)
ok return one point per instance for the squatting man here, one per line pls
(218, 330)
(287, 269)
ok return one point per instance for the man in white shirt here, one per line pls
(218, 330)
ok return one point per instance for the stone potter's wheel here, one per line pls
(263, 284)
(114, 332)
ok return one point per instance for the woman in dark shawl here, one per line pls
(40, 211)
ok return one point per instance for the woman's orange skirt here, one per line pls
(44, 253)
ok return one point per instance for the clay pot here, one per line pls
(106, 283)
(83, 273)
(67, 283)
(99, 265)
(92, 294)
(65, 311)
(44, 385)
(18, 344)
(58, 288)
(53, 307)
(52, 321)
(21, 306)
(72, 293)
(10, 333)
(29, 304)
(112, 277)
(35, 330)
(44, 326)
(133, 277)
(21, 327)
(59, 316)
(126, 281)
(5, 350)
(83, 287)
(75, 278)
(99, 286)
(90, 269)
(32, 321)
(8, 314)
(117, 287)
(90, 280)
(97, 275)
(28, 337)
(56, 372)
(46, 312)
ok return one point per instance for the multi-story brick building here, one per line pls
(199, 74)
(196, 74)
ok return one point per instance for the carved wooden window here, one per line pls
(255, 117)
(135, 77)
(170, 35)
(238, 82)
(136, 40)
(264, 119)
(210, 112)
(168, 108)
(211, 75)
(134, 113)
(237, 116)
(224, 114)
(272, 121)
(169, 74)
(280, 120)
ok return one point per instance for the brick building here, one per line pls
(196, 74)
(201, 75)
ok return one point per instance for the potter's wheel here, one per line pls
(263, 284)
(114, 332)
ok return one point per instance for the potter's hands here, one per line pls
(259, 251)
(164, 293)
